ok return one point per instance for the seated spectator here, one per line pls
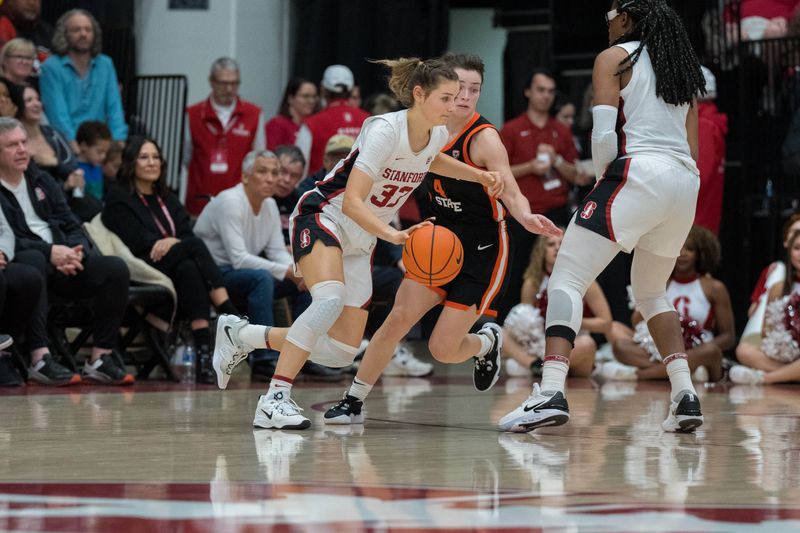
(93, 140)
(21, 287)
(777, 360)
(381, 103)
(704, 306)
(7, 106)
(337, 148)
(712, 127)
(16, 59)
(241, 227)
(292, 169)
(36, 210)
(78, 83)
(22, 18)
(111, 165)
(299, 101)
(156, 228)
(766, 19)
(338, 117)
(523, 345)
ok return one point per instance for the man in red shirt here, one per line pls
(338, 117)
(542, 155)
(220, 131)
(712, 127)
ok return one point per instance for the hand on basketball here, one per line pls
(401, 236)
(540, 225)
(493, 181)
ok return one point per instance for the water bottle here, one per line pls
(77, 192)
(188, 362)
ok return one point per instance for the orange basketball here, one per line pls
(433, 256)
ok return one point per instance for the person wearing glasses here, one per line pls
(644, 148)
(77, 82)
(220, 131)
(156, 228)
(16, 61)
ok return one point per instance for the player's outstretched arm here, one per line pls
(445, 165)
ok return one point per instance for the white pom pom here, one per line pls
(525, 325)
(641, 336)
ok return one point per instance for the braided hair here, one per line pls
(658, 27)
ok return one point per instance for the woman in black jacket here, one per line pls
(156, 227)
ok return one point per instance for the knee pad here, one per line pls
(650, 306)
(564, 311)
(327, 302)
(330, 352)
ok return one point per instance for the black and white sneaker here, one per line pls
(49, 372)
(540, 409)
(487, 367)
(684, 415)
(278, 411)
(346, 411)
(5, 341)
(106, 370)
(9, 376)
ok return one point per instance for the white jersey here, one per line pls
(690, 301)
(646, 124)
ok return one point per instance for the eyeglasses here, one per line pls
(22, 58)
(146, 158)
(611, 15)
(226, 83)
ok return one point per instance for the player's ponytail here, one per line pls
(409, 72)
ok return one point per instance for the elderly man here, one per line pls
(220, 131)
(241, 227)
(78, 83)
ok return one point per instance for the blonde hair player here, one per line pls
(479, 220)
(644, 146)
(334, 228)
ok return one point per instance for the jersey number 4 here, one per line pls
(389, 193)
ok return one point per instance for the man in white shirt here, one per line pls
(242, 228)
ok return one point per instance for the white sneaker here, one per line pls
(229, 350)
(540, 409)
(684, 415)
(700, 374)
(405, 364)
(744, 375)
(278, 411)
(276, 451)
(516, 370)
(616, 371)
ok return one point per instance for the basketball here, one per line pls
(433, 256)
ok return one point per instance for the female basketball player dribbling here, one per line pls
(644, 146)
(333, 232)
(479, 220)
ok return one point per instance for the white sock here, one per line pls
(486, 344)
(279, 386)
(679, 375)
(359, 389)
(554, 373)
(255, 336)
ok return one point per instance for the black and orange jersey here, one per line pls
(461, 203)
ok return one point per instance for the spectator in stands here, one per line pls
(156, 228)
(22, 18)
(37, 212)
(338, 117)
(712, 127)
(292, 168)
(7, 106)
(220, 131)
(542, 156)
(241, 227)
(337, 148)
(21, 287)
(112, 163)
(355, 96)
(766, 19)
(380, 103)
(299, 101)
(16, 59)
(777, 360)
(79, 83)
(704, 306)
(93, 140)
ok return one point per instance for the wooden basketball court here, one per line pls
(163, 457)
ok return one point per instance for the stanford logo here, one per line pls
(39, 194)
(588, 210)
(305, 238)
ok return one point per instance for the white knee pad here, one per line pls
(326, 306)
(652, 306)
(330, 352)
(564, 311)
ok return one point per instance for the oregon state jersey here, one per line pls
(457, 202)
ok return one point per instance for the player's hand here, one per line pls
(541, 225)
(493, 182)
(401, 236)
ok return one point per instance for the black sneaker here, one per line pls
(487, 368)
(107, 370)
(316, 372)
(9, 376)
(262, 370)
(5, 341)
(347, 411)
(49, 372)
(684, 416)
(205, 368)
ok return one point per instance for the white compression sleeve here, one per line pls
(604, 137)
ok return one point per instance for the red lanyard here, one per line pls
(155, 218)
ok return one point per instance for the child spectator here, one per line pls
(94, 141)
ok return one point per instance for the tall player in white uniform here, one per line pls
(644, 146)
(334, 228)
